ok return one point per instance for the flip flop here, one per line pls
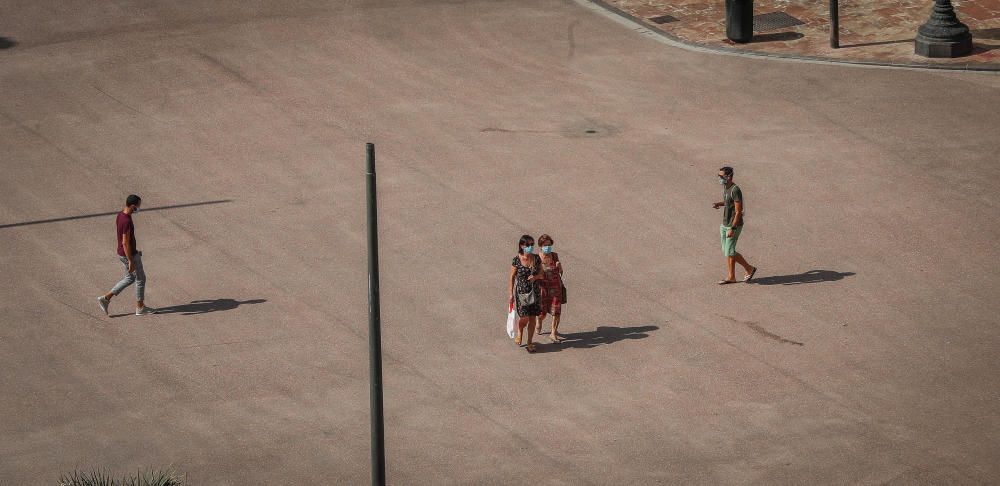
(530, 348)
(750, 275)
(726, 282)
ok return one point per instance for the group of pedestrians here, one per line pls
(536, 277)
(536, 288)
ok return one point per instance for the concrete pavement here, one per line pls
(866, 354)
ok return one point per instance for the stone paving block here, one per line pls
(870, 31)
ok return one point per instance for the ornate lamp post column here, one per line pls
(943, 35)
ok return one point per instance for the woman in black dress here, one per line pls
(525, 273)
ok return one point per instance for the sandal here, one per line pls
(556, 339)
(726, 282)
(750, 275)
(530, 347)
(517, 340)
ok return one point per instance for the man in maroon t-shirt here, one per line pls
(131, 257)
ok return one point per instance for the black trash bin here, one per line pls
(739, 20)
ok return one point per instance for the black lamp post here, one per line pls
(943, 35)
(739, 20)
(834, 24)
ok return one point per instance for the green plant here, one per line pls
(103, 477)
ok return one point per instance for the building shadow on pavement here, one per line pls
(812, 276)
(877, 43)
(776, 36)
(202, 307)
(592, 339)
(978, 48)
(992, 34)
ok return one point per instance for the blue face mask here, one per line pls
(547, 249)
(529, 249)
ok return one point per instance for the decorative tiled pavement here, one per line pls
(875, 31)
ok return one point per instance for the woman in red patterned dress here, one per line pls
(552, 295)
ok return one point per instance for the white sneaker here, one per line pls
(141, 311)
(103, 303)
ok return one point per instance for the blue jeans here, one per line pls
(138, 277)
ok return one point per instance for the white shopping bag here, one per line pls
(512, 321)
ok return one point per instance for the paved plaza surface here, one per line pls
(871, 31)
(865, 353)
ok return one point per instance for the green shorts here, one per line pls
(729, 244)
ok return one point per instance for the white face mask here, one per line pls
(722, 181)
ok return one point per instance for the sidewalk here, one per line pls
(871, 31)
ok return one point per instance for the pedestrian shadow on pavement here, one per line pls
(7, 43)
(202, 307)
(592, 339)
(812, 276)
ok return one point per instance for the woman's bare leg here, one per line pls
(555, 326)
(538, 328)
(521, 322)
(531, 328)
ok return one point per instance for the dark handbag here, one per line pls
(529, 298)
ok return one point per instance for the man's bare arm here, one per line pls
(738, 215)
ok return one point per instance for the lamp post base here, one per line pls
(928, 47)
(943, 35)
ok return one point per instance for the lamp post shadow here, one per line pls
(111, 213)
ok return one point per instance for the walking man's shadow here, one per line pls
(206, 306)
(597, 337)
(812, 276)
